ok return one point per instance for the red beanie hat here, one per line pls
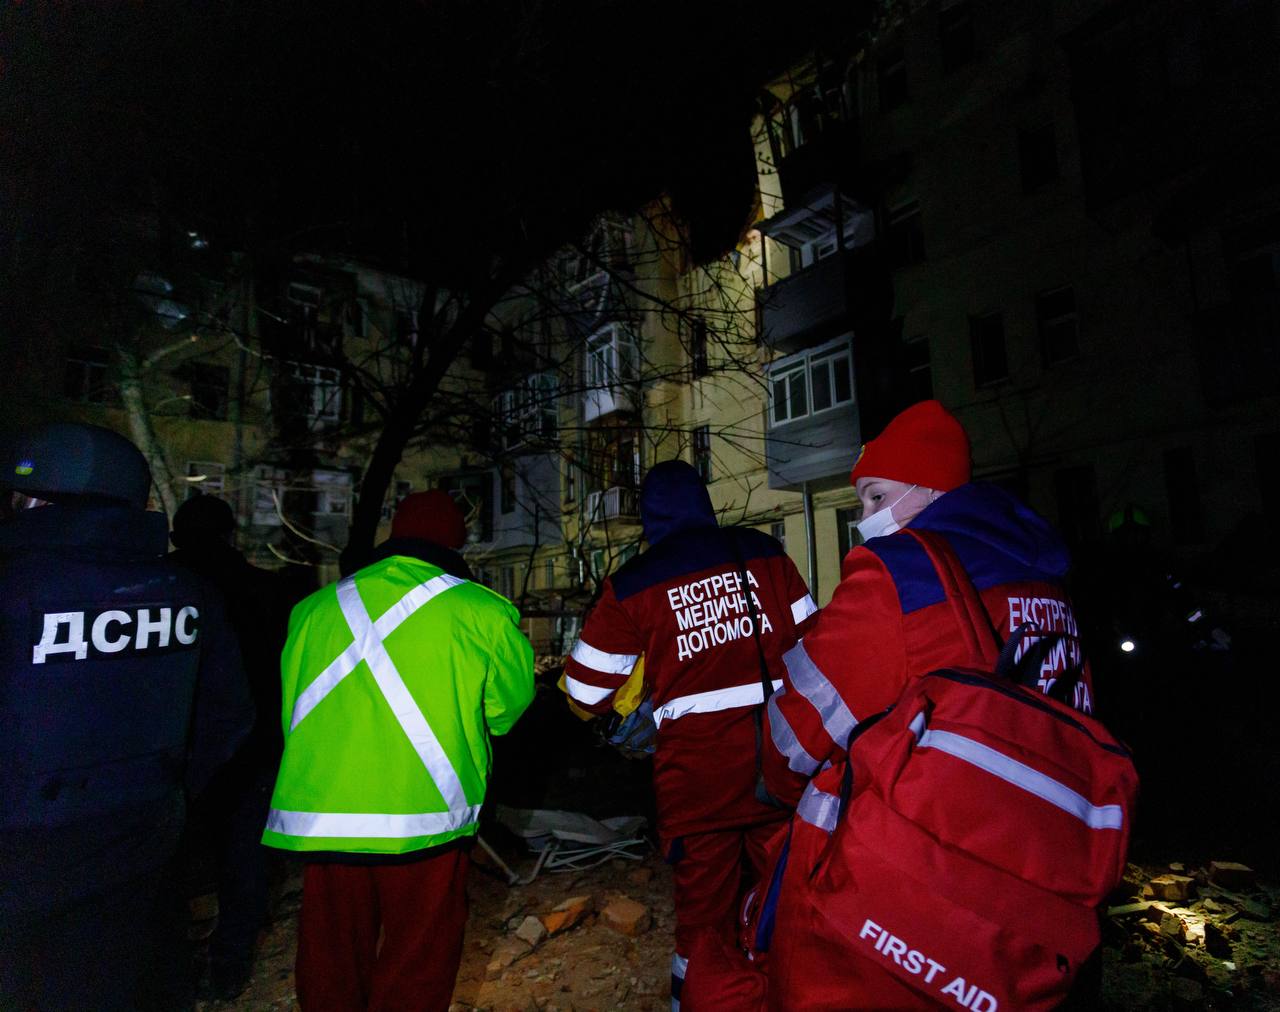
(923, 445)
(430, 516)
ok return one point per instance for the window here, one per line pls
(549, 574)
(269, 484)
(847, 529)
(333, 493)
(986, 333)
(314, 393)
(919, 369)
(698, 347)
(1077, 495)
(1186, 513)
(507, 490)
(613, 459)
(891, 73)
(210, 385)
(779, 531)
(1056, 314)
(611, 357)
(702, 452)
(398, 493)
(85, 376)
(206, 477)
(904, 236)
(1037, 156)
(527, 411)
(507, 581)
(955, 35)
(809, 383)
(406, 328)
(474, 495)
(304, 311)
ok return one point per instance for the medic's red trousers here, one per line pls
(711, 872)
(420, 910)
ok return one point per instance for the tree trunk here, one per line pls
(140, 428)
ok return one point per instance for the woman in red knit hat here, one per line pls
(889, 621)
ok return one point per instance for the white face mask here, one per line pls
(881, 522)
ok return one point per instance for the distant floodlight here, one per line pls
(1128, 646)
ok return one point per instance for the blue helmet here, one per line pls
(67, 460)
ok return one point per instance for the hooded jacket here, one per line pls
(889, 621)
(681, 604)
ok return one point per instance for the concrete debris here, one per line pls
(641, 876)
(1173, 926)
(1173, 888)
(1217, 940)
(1255, 911)
(531, 931)
(626, 916)
(1232, 875)
(505, 953)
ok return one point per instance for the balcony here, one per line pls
(615, 503)
(830, 297)
(835, 276)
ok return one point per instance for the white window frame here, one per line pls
(528, 410)
(612, 357)
(333, 493)
(800, 366)
(325, 383)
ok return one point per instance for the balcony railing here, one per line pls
(615, 503)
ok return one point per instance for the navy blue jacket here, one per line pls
(121, 688)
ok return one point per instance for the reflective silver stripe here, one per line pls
(811, 683)
(818, 808)
(597, 660)
(679, 964)
(802, 609)
(1020, 775)
(751, 694)
(349, 825)
(585, 693)
(917, 724)
(346, 662)
(396, 693)
(786, 742)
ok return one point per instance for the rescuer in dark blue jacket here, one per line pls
(121, 691)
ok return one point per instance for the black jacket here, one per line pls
(121, 686)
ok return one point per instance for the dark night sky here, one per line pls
(466, 125)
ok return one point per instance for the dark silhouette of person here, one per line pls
(227, 818)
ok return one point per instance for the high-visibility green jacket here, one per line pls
(393, 680)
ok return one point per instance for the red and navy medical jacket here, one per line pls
(682, 604)
(889, 621)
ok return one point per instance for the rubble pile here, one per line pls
(1174, 937)
(1198, 938)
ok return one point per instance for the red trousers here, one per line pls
(711, 871)
(420, 911)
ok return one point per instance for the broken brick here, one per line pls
(1173, 888)
(1232, 874)
(565, 915)
(626, 916)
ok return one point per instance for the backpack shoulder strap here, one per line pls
(971, 615)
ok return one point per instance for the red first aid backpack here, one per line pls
(969, 837)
